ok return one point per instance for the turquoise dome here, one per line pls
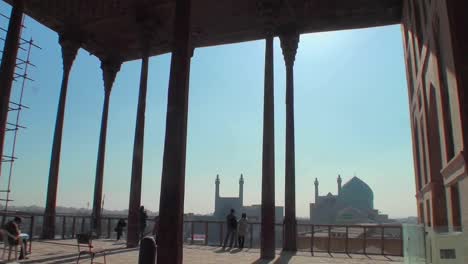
(356, 193)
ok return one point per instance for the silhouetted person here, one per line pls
(119, 228)
(12, 227)
(242, 230)
(143, 217)
(231, 223)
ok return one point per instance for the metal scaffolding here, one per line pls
(16, 106)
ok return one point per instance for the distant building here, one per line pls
(254, 213)
(223, 205)
(353, 204)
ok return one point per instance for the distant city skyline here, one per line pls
(351, 111)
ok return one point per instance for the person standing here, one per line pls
(143, 218)
(231, 223)
(14, 238)
(242, 230)
(119, 228)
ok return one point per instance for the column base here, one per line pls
(291, 249)
(290, 235)
(268, 257)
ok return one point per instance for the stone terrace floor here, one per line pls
(65, 251)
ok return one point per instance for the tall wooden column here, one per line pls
(69, 51)
(109, 67)
(289, 43)
(171, 205)
(137, 164)
(266, 10)
(7, 68)
(268, 162)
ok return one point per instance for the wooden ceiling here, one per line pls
(114, 27)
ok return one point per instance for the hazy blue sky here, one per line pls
(351, 115)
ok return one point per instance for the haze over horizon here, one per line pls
(351, 116)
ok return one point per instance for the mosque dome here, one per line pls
(356, 193)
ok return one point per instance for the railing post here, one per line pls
(3, 219)
(83, 220)
(364, 241)
(74, 227)
(296, 235)
(31, 227)
(31, 233)
(346, 240)
(64, 224)
(206, 233)
(401, 240)
(109, 222)
(192, 227)
(282, 234)
(221, 226)
(251, 235)
(329, 239)
(312, 238)
(382, 236)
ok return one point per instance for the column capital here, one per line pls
(289, 43)
(70, 47)
(146, 38)
(18, 4)
(146, 34)
(110, 67)
(191, 51)
(267, 10)
(195, 37)
(148, 24)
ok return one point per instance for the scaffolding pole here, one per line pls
(15, 107)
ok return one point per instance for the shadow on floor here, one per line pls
(283, 258)
(237, 250)
(220, 250)
(67, 258)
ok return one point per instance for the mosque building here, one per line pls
(223, 205)
(353, 204)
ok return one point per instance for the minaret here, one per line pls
(217, 192)
(339, 184)
(241, 189)
(316, 183)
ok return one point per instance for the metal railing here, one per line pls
(66, 225)
(346, 239)
(351, 239)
